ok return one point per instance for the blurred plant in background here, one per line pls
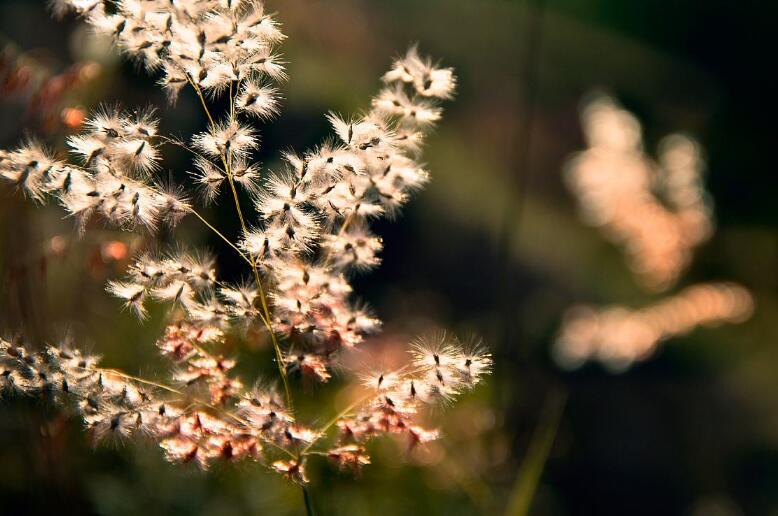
(43, 93)
(618, 336)
(615, 184)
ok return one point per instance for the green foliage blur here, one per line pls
(493, 247)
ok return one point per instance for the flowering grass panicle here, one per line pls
(305, 234)
(118, 154)
(440, 369)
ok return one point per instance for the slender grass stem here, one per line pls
(329, 424)
(232, 103)
(308, 505)
(247, 259)
(137, 379)
(178, 143)
(202, 100)
(231, 181)
(263, 298)
(531, 469)
(351, 406)
(221, 235)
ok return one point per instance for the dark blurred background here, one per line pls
(494, 247)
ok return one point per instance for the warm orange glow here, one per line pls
(73, 117)
(657, 211)
(619, 336)
(114, 250)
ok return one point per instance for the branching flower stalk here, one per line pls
(307, 233)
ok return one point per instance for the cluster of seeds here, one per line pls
(440, 369)
(117, 154)
(308, 234)
(202, 415)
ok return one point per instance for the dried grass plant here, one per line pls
(306, 234)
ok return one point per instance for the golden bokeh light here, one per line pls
(657, 211)
(618, 336)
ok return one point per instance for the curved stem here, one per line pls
(137, 379)
(320, 433)
(247, 259)
(351, 406)
(177, 143)
(232, 102)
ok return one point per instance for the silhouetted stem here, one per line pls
(308, 504)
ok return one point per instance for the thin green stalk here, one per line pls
(219, 233)
(248, 259)
(531, 469)
(202, 100)
(308, 505)
(263, 301)
(351, 406)
(137, 379)
(237, 200)
(232, 103)
(251, 260)
(323, 430)
(182, 145)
